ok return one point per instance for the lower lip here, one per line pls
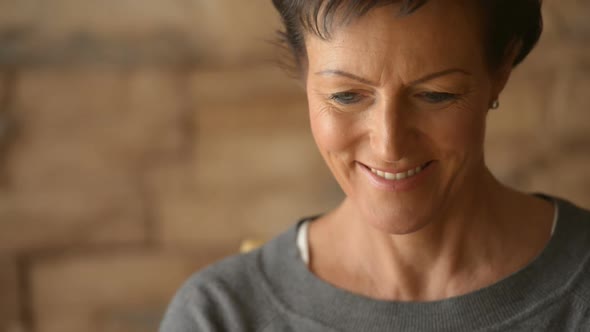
(402, 185)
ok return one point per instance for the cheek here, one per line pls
(460, 134)
(335, 139)
(471, 128)
(330, 130)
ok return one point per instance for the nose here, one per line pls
(390, 132)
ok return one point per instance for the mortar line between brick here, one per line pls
(26, 310)
(7, 130)
(188, 124)
(149, 213)
(188, 127)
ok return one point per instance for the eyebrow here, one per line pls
(335, 72)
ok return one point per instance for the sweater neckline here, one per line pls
(302, 239)
(301, 292)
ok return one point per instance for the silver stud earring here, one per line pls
(495, 104)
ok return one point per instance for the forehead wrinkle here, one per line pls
(377, 43)
(352, 59)
(371, 46)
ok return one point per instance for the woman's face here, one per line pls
(398, 110)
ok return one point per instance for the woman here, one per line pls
(426, 238)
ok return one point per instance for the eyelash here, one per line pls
(437, 97)
(346, 98)
(350, 98)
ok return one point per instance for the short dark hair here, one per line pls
(507, 23)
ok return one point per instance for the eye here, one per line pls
(436, 97)
(346, 98)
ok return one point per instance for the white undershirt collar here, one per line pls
(303, 231)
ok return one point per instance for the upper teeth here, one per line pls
(398, 176)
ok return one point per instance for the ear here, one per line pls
(501, 74)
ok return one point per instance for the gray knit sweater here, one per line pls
(271, 289)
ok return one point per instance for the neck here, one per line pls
(471, 244)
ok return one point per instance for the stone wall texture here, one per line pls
(140, 140)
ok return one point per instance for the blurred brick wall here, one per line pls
(141, 140)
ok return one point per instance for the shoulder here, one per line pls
(227, 296)
(571, 211)
(573, 231)
(573, 226)
(230, 295)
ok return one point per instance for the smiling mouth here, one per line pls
(400, 175)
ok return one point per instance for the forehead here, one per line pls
(442, 33)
